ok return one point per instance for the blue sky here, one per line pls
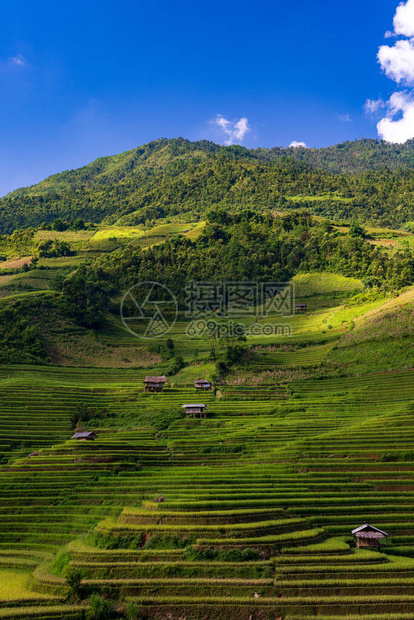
(90, 78)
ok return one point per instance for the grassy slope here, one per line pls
(337, 452)
(381, 339)
(87, 244)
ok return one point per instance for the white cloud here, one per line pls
(373, 106)
(404, 19)
(345, 118)
(296, 145)
(394, 129)
(398, 61)
(17, 61)
(234, 130)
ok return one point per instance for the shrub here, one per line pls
(220, 555)
(166, 542)
(133, 611)
(176, 365)
(73, 578)
(53, 248)
(100, 608)
(108, 541)
(80, 415)
(83, 298)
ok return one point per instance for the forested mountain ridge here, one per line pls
(366, 180)
(348, 157)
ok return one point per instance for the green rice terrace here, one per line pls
(246, 513)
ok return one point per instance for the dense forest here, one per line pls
(236, 247)
(366, 180)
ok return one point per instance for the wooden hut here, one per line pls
(202, 384)
(301, 307)
(85, 436)
(154, 384)
(369, 536)
(196, 410)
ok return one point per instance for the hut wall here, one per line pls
(368, 542)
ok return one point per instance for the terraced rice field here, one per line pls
(246, 514)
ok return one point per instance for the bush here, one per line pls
(20, 335)
(166, 542)
(59, 225)
(108, 541)
(54, 248)
(56, 281)
(220, 555)
(80, 415)
(133, 611)
(83, 298)
(176, 365)
(73, 578)
(100, 608)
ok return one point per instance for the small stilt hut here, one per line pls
(202, 384)
(85, 436)
(369, 536)
(196, 410)
(154, 384)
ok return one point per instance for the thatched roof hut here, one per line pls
(85, 436)
(369, 536)
(196, 410)
(154, 384)
(202, 384)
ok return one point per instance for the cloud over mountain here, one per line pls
(397, 62)
(234, 130)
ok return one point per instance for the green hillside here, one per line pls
(367, 180)
(246, 513)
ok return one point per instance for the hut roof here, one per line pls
(195, 405)
(84, 435)
(369, 531)
(160, 379)
(202, 381)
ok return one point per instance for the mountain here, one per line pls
(367, 180)
(348, 157)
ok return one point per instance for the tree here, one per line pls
(84, 298)
(59, 225)
(78, 224)
(80, 415)
(73, 578)
(356, 230)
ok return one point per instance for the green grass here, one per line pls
(14, 585)
(319, 198)
(117, 232)
(325, 284)
(192, 517)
